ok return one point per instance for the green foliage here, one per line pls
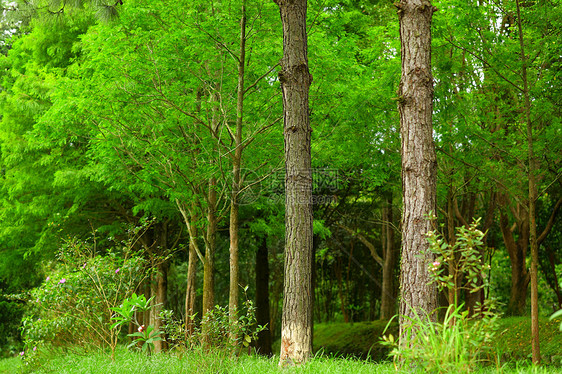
(74, 305)
(458, 266)
(215, 330)
(11, 312)
(458, 344)
(126, 313)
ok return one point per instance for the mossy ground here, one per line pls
(513, 339)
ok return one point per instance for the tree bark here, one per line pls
(419, 164)
(263, 344)
(295, 78)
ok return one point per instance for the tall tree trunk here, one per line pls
(532, 198)
(295, 78)
(419, 164)
(388, 297)
(236, 163)
(263, 345)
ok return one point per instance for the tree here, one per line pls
(419, 166)
(295, 78)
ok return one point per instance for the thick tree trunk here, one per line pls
(388, 297)
(295, 78)
(263, 345)
(419, 163)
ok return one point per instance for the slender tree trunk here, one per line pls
(210, 243)
(295, 78)
(388, 297)
(194, 252)
(263, 345)
(191, 288)
(161, 300)
(236, 163)
(419, 163)
(452, 294)
(535, 344)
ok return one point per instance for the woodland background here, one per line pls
(121, 133)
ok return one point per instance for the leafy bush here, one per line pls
(73, 306)
(458, 266)
(216, 330)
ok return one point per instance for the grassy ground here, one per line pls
(137, 363)
(358, 339)
(513, 340)
(217, 363)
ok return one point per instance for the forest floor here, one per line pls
(138, 363)
(336, 339)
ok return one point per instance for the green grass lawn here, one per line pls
(333, 340)
(193, 362)
(138, 363)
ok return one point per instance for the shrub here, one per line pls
(73, 306)
(216, 330)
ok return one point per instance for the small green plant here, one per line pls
(126, 313)
(216, 330)
(459, 342)
(177, 335)
(458, 266)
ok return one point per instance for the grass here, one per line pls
(335, 340)
(514, 340)
(192, 362)
(217, 363)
